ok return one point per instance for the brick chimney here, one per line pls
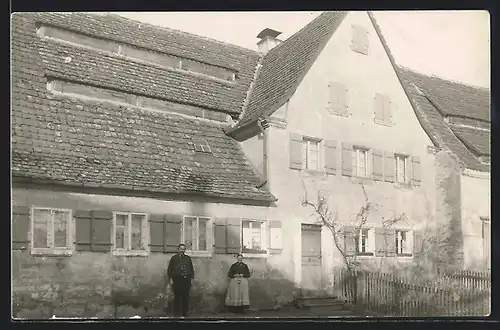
(268, 40)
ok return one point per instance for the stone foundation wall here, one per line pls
(101, 285)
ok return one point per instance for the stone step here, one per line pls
(319, 301)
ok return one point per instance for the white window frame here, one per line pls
(263, 237)
(209, 236)
(398, 158)
(358, 150)
(409, 242)
(144, 236)
(51, 250)
(370, 246)
(308, 140)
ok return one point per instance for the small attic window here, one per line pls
(201, 145)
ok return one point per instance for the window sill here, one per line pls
(403, 185)
(199, 254)
(404, 255)
(254, 255)
(125, 253)
(338, 113)
(362, 179)
(51, 252)
(383, 123)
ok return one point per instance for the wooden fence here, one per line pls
(451, 293)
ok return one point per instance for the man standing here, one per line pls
(180, 272)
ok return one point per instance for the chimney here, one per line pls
(268, 40)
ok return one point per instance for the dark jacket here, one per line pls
(180, 266)
(239, 268)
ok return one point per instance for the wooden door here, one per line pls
(487, 244)
(312, 279)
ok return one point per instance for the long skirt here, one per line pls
(237, 293)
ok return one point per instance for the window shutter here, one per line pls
(275, 237)
(346, 159)
(83, 230)
(378, 165)
(378, 107)
(295, 151)
(233, 233)
(387, 109)
(101, 231)
(20, 227)
(390, 242)
(416, 174)
(389, 166)
(349, 240)
(220, 244)
(379, 242)
(359, 39)
(173, 232)
(157, 226)
(418, 240)
(338, 98)
(331, 157)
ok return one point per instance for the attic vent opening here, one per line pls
(201, 145)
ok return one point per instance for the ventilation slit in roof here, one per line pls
(201, 145)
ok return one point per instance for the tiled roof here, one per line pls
(284, 66)
(436, 99)
(114, 71)
(76, 142)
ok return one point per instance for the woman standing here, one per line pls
(237, 297)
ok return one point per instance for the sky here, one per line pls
(451, 44)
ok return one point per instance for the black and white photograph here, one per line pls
(250, 164)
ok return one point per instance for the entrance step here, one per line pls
(326, 301)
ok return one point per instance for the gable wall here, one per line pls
(306, 114)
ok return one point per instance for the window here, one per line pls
(195, 233)
(401, 169)
(201, 145)
(310, 154)
(51, 230)
(253, 236)
(402, 242)
(359, 162)
(130, 232)
(364, 239)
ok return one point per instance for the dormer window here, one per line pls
(201, 145)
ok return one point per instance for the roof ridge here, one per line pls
(486, 89)
(160, 27)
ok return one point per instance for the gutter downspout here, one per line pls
(263, 126)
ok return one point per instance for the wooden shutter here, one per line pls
(359, 42)
(331, 157)
(378, 107)
(157, 229)
(387, 109)
(233, 235)
(20, 227)
(275, 237)
(378, 165)
(220, 243)
(346, 159)
(418, 240)
(349, 240)
(295, 151)
(101, 231)
(389, 166)
(83, 230)
(338, 98)
(415, 170)
(173, 232)
(390, 242)
(379, 242)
